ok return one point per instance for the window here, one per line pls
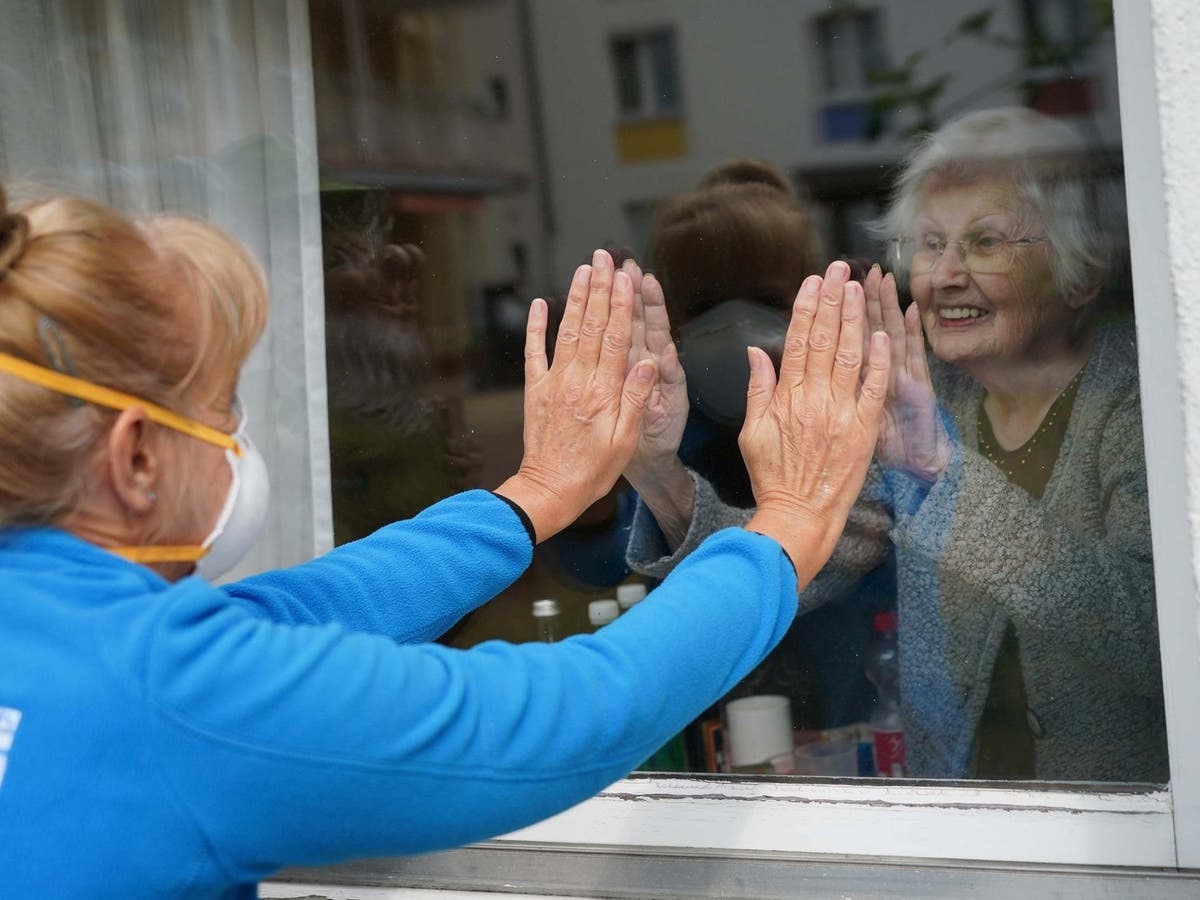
(647, 74)
(463, 163)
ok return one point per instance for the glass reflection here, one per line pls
(472, 153)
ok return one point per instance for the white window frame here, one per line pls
(1053, 824)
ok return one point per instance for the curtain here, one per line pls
(206, 109)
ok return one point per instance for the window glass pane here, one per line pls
(990, 611)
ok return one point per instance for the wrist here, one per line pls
(805, 538)
(664, 475)
(540, 504)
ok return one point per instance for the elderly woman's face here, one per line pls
(973, 307)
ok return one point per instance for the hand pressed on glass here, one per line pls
(911, 434)
(809, 434)
(582, 413)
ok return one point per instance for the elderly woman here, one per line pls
(160, 736)
(1009, 474)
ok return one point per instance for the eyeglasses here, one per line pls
(985, 253)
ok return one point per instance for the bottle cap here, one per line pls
(630, 595)
(543, 608)
(601, 612)
(885, 621)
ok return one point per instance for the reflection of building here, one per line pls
(425, 107)
(802, 84)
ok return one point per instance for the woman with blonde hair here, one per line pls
(160, 736)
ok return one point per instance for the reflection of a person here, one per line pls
(730, 257)
(394, 450)
(1017, 508)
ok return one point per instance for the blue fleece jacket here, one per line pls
(182, 740)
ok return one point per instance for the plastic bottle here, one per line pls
(629, 595)
(601, 612)
(887, 727)
(546, 617)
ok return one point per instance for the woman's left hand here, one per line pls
(912, 437)
(583, 414)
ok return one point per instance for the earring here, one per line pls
(151, 496)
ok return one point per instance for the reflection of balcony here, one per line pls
(386, 133)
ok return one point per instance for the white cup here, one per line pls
(759, 728)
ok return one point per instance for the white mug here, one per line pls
(759, 728)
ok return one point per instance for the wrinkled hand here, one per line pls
(912, 437)
(809, 434)
(667, 410)
(583, 414)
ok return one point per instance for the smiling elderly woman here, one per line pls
(166, 737)
(1009, 474)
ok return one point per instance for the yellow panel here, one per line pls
(646, 141)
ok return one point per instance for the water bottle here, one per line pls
(883, 668)
(545, 616)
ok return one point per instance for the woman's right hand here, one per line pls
(667, 410)
(810, 434)
(583, 414)
(912, 437)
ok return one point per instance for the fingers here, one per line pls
(847, 363)
(795, 344)
(670, 372)
(595, 316)
(894, 324)
(615, 342)
(874, 309)
(875, 383)
(761, 388)
(916, 362)
(654, 308)
(535, 341)
(826, 325)
(637, 348)
(871, 288)
(635, 394)
(567, 344)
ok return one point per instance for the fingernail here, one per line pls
(645, 371)
(753, 358)
(582, 274)
(839, 268)
(622, 280)
(601, 259)
(812, 284)
(876, 266)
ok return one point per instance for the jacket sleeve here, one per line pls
(1086, 580)
(307, 744)
(410, 581)
(863, 546)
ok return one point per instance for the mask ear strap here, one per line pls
(160, 554)
(102, 396)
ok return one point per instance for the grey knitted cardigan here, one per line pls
(1071, 571)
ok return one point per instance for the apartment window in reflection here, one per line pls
(850, 46)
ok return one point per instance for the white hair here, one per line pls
(1048, 165)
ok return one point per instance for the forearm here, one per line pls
(668, 492)
(410, 580)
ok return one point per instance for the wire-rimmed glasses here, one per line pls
(982, 253)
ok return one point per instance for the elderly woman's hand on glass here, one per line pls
(583, 413)
(809, 434)
(912, 436)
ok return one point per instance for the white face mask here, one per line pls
(245, 510)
